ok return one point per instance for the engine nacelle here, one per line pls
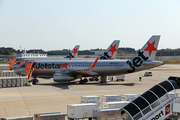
(62, 77)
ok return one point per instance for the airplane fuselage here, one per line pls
(102, 68)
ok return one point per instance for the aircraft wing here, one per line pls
(80, 71)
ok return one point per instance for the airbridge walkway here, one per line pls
(155, 103)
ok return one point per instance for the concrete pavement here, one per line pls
(49, 96)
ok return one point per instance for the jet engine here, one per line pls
(57, 77)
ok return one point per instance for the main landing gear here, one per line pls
(103, 79)
(83, 81)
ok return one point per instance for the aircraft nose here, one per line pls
(14, 66)
(20, 71)
(17, 71)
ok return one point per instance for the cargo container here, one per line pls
(18, 118)
(13, 81)
(80, 111)
(128, 97)
(11, 118)
(4, 66)
(50, 116)
(90, 99)
(118, 104)
(8, 73)
(173, 95)
(120, 77)
(178, 94)
(106, 114)
(176, 106)
(110, 98)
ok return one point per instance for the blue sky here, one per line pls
(62, 24)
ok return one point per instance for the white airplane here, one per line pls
(69, 70)
(16, 62)
(110, 53)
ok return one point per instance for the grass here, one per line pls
(3, 62)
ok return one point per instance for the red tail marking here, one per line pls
(12, 63)
(109, 57)
(150, 48)
(94, 64)
(75, 51)
(113, 49)
(70, 58)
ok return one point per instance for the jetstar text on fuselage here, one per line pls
(137, 61)
(48, 66)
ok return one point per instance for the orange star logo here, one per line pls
(65, 65)
(113, 49)
(75, 51)
(150, 48)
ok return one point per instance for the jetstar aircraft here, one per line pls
(110, 53)
(16, 62)
(72, 69)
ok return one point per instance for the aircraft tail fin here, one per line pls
(111, 51)
(74, 52)
(148, 51)
(13, 61)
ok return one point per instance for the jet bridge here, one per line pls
(154, 104)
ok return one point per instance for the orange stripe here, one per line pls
(22, 61)
(94, 64)
(11, 63)
(28, 67)
(30, 74)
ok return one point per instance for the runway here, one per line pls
(49, 96)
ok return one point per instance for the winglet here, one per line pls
(94, 64)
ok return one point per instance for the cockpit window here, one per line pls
(18, 62)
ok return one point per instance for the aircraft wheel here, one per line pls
(81, 82)
(96, 79)
(35, 81)
(85, 80)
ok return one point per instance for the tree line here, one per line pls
(11, 51)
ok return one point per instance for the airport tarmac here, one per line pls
(50, 96)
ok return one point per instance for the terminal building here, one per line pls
(29, 55)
